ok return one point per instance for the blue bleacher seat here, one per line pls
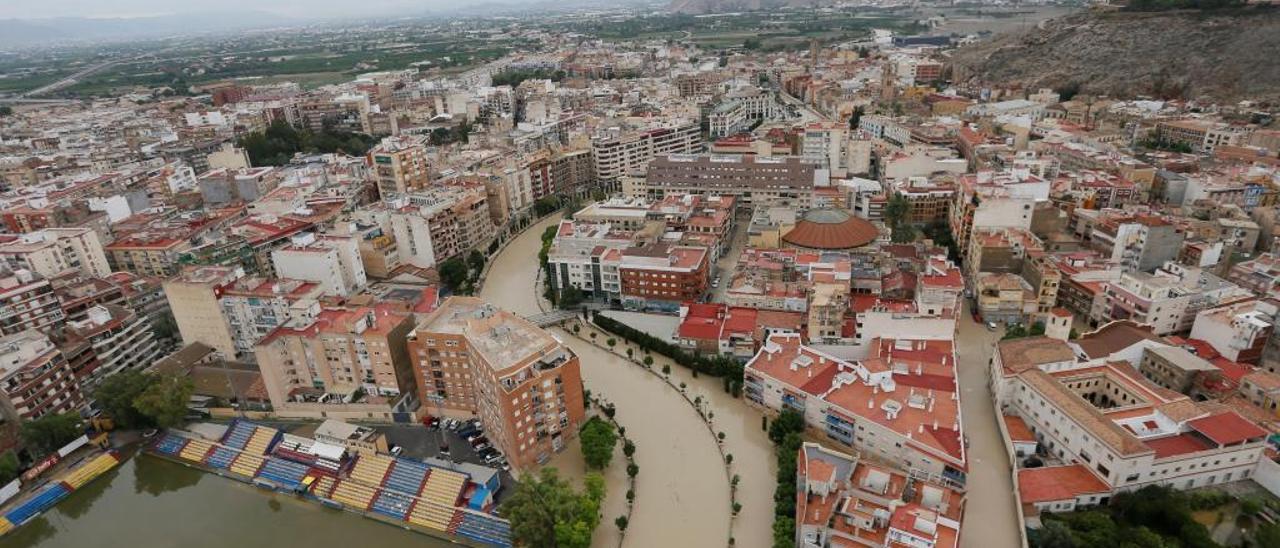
(170, 444)
(283, 472)
(45, 498)
(392, 504)
(238, 435)
(221, 457)
(406, 476)
(485, 529)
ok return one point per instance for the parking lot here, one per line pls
(419, 442)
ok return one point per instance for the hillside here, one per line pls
(725, 6)
(1225, 55)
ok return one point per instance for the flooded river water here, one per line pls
(152, 503)
(682, 496)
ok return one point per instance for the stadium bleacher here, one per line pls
(284, 473)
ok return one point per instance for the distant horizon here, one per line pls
(297, 9)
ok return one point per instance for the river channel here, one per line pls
(152, 503)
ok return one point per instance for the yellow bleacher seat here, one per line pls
(246, 464)
(195, 450)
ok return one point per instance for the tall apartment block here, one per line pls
(472, 358)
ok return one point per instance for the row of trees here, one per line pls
(276, 145)
(724, 367)
(785, 433)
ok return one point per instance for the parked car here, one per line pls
(478, 440)
(444, 448)
(396, 450)
(492, 458)
(991, 326)
(482, 447)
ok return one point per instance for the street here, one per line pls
(990, 517)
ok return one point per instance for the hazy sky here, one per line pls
(28, 9)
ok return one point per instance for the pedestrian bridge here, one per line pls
(548, 319)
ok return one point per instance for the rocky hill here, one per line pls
(724, 6)
(1225, 55)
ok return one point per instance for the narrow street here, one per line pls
(990, 518)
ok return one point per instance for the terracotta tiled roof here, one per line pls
(831, 229)
(1227, 428)
(1054, 483)
(1114, 337)
(1021, 354)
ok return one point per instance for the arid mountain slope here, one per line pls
(1226, 55)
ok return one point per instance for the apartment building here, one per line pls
(330, 260)
(1238, 331)
(930, 199)
(472, 358)
(153, 245)
(833, 146)
(222, 187)
(1105, 416)
(577, 259)
(30, 303)
(263, 234)
(828, 306)
(399, 165)
(35, 380)
(1168, 300)
(430, 228)
(620, 151)
(994, 200)
(660, 276)
(1176, 368)
(728, 118)
(843, 498)
(562, 172)
(53, 251)
(1000, 250)
(1004, 297)
(110, 339)
(618, 213)
(1142, 242)
(194, 297)
(345, 363)
(752, 180)
(900, 404)
(255, 306)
